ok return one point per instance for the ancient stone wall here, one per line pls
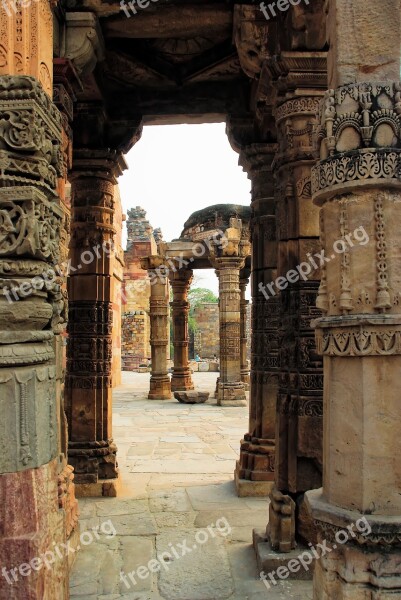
(135, 334)
(206, 339)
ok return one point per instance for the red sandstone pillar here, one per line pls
(88, 384)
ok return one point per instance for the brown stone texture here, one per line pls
(207, 341)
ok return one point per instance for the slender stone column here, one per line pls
(160, 384)
(254, 473)
(88, 384)
(357, 184)
(243, 284)
(231, 390)
(180, 282)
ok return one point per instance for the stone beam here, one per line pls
(171, 21)
(197, 100)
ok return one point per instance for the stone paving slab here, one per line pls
(176, 465)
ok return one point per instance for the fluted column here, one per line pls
(255, 469)
(180, 282)
(357, 185)
(231, 390)
(160, 383)
(244, 303)
(92, 451)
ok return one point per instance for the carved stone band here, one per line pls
(330, 519)
(359, 337)
(358, 169)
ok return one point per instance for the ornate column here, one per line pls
(298, 465)
(180, 282)
(33, 513)
(160, 384)
(254, 474)
(357, 184)
(230, 388)
(88, 384)
(244, 303)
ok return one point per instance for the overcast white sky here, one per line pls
(175, 170)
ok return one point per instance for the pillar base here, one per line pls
(231, 394)
(181, 380)
(160, 388)
(93, 461)
(31, 520)
(365, 557)
(257, 459)
(246, 380)
(269, 561)
(107, 488)
(248, 488)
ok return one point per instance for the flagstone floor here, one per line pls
(177, 531)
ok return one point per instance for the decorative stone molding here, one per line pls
(362, 336)
(358, 139)
(84, 41)
(250, 37)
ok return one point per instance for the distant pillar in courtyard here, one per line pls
(89, 358)
(230, 389)
(180, 282)
(160, 384)
(244, 303)
(357, 185)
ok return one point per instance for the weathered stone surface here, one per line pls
(191, 397)
(202, 574)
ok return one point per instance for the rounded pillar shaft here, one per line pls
(231, 390)
(89, 352)
(357, 185)
(160, 384)
(180, 282)
(244, 303)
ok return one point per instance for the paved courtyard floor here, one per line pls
(177, 531)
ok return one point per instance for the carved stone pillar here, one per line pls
(298, 465)
(32, 315)
(88, 384)
(357, 184)
(255, 469)
(244, 303)
(180, 282)
(160, 384)
(231, 390)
